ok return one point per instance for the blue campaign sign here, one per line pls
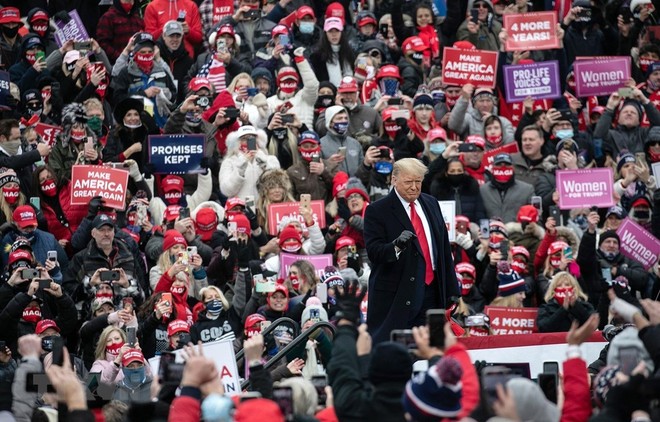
(176, 154)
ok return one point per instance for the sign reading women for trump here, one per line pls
(600, 76)
(106, 182)
(531, 31)
(319, 262)
(536, 80)
(476, 67)
(176, 154)
(638, 244)
(585, 188)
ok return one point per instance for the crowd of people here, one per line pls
(341, 103)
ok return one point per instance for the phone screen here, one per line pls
(548, 384)
(484, 228)
(404, 337)
(283, 396)
(435, 318)
(320, 382)
(474, 13)
(628, 358)
(551, 367)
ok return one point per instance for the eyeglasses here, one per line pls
(355, 196)
(654, 143)
(480, 6)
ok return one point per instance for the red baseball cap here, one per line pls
(171, 213)
(279, 30)
(132, 355)
(528, 214)
(437, 133)
(45, 324)
(19, 255)
(198, 83)
(206, 223)
(24, 216)
(414, 44)
(171, 182)
(348, 84)
(304, 11)
(477, 140)
(177, 326)
(335, 10)
(10, 15)
(344, 241)
(234, 202)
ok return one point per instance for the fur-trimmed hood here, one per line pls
(570, 236)
(210, 204)
(549, 163)
(232, 141)
(273, 178)
(514, 227)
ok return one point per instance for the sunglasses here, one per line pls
(374, 53)
(480, 6)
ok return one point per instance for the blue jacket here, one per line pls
(42, 242)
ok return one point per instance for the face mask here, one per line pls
(9, 32)
(340, 127)
(641, 215)
(11, 194)
(40, 29)
(581, 221)
(466, 286)
(288, 87)
(306, 27)
(126, 7)
(178, 292)
(280, 134)
(48, 187)
(561, 293)
(455, 179)
(113, 350)
(383, 167)
(324, 101)
(609, 256)
(134, 377)
(564, 134)
(644, 64)
(654, 156)
(31, 58)
(555, 262)
(144, 62)
(135, 126)
(217, 408)
(193, 119)
(437, 148)
(371, 72)
(172, 198)
(519, 266)
(417, 58)
(307, 154)
(35, 111)
(95, 124)
(291, 247)
(32, 314)
(494, 139)
(214, 307)
(70, 66)
(295, 281)
(349, 105)
(502, 174)
(450, 100)
(335, 48)
(391, 129)
(78, 135)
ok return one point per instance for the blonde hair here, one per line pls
(99, 354)
(410, 166)
(563, 276)
(243, 75)
(268, 180)
(507, 302)
(223, 299)
(93, 104)
(8, 209)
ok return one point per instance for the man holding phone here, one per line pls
(408, 245)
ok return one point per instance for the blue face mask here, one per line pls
(581, 221)
(214, 307)
(564, 134)
(609, 256)
(193, 120)
(340, 127)
(383, 167)
(306, 27)
(438, 148)
(134, 377)
(217, 408)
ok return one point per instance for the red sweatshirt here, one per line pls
(577, 402)
(159, 12)
(470, 398)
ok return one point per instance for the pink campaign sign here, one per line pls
(318, 261)
(585, 188)
(638, 244)
(601, 76)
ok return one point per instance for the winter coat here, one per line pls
(180, 62)
(505, 204)
(24, 401)
(364, 122)
(233, 68)
(23, 165)
(260, 36)
(486, 38)
(527, 172)
(554, 318)
(111, 374)
(620, 138)
(155, 247)
(116, 27)
(9, 54)
(159, 12)
(41, 243)
(467, 196)
(303, 101)
(466, 121)
(238, 176)
(7, 371)
(319, 186)
(90, 333)
(330, 144)
(576, 386)
(23, 74)
(121, 138)
(65, 154)
(141, 394)
(412, 76)
(61, 217)
(157, 206)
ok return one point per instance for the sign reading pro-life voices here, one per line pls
(638, 244)
(600, 75)
(537, 80)
(585, 188)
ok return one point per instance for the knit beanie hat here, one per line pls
(634, 104)
(354, 185)
(330, 113)
(435, 393)
(624, 158)
(389, 362)
(422, 100)
(331, 277)
(531, 403)
(7, 175)
(608, 234)
(173, 237)
(242, 224)
(510, 282)
(313, 311)
(603, 382)
(289, 232)
(287, 73)
(628, 338)
(339, 182)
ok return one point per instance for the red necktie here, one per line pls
(421, 237)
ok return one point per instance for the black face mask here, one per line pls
(417, 58)
(9, 32)
(324, 101)
(280, 133)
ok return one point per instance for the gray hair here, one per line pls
(411, 166)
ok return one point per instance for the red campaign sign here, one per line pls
(48, 133)
(476, 67)
(512, 320)
(277, 212)
(90, 181)
(531, 31)
(489, 156)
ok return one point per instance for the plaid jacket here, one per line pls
(115, 28)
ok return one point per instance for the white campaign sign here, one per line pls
(656, 172)
(448, 209)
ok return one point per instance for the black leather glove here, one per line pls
(342, 209)
(403, 124)
(149, 170)
(227, 243)
(243, 254)
(205, 163)
(348, 303)
(353, 261)
(94, 207)
(404, 239)
(254, 225)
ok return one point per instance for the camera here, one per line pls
(29, 274)
(232, 113)
(465, 147)
(111, 275)
(203, 102)
(286, 118)
(251, 14)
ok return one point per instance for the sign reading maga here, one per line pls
(106, 182)
(476, 67)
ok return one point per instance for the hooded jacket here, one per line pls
(487, 36)
(304, 99)
(466, 120)
(505, 204)
(179, 62)
(622, 138)
(48, 39)
(22, 73)
(116, 27)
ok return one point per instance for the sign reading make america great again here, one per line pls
(476, 67)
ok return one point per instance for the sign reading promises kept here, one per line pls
(476, 67)
(106, 182)
(176, 154)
